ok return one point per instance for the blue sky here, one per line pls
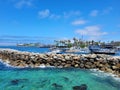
(46, 20)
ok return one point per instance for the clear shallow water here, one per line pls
(54, 79)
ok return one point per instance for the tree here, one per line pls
(93, 42)
(69, 45)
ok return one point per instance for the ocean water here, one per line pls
(53, 78)
(38, 50)
(29, 49)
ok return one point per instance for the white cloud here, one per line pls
(22, 3)
(79, 22)
(47, 14)
(54, 16)
(93, 32)
(107, 10)
(94, 13)
(71, 14)
(103, 12)
(44, 13)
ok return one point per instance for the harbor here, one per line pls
(29, 60)
(59, 45)
(84, 47)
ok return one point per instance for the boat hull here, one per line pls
(109, 53)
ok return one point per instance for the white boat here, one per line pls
(78, 50)
(55, 51)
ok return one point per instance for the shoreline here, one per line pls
(106, 63)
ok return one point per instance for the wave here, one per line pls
(4, 65)
(103, 74)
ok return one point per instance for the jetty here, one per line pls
(21, 59)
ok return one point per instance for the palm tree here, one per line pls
(93, 42)
(56, 42)
(75, 41)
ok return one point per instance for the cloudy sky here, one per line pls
(44, 20)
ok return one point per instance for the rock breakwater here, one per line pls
(102, 62)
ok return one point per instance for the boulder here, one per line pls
(67, 58)
(93, 56)
(55, 57)
(89, 63)
(109, 70)
(77, 62)
(118, 65)
(103, 69)
(100, 65)
(114, 67)
(87, 66)
(76, 65)
(76, 58)
(91, 60)
(67, 65)
(68, 62)
(63, 60)
(82, 65)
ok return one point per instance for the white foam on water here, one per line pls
(5, 63)
(43, 66)
(103, 74)
(8, 65)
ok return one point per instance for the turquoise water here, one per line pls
(54, 79)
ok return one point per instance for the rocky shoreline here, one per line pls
(101, 62)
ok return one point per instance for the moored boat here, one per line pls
(78, 50)
(98, 50)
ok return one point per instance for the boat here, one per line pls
(118, 48)
(78, 50)
(55, 50)
(99, 50)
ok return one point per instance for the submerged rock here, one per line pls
(17, 81)
(43, 82)
(81, 87)
(57, 86)
(65, 79)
